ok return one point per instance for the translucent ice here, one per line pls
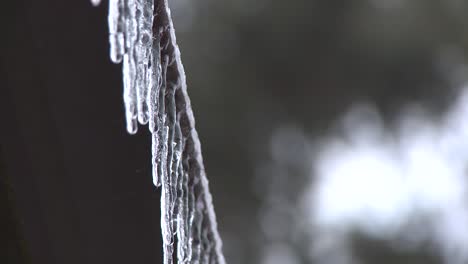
(142, 37)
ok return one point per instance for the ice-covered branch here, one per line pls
(142, 37)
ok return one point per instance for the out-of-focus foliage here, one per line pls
(254, 66)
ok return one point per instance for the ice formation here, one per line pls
(142, 37)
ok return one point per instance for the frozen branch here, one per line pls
(142, 36)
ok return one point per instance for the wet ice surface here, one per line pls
(142, 37)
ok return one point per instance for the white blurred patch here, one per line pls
(95, 2)
(376, 181)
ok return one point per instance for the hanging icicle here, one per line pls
(142, 37)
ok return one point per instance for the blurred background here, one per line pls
(333, 132)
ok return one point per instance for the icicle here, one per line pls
(116, 22)
(130, 93)
(154, 85)
(164, 167)
(181, 201)
(153, 107)
(144, 18)
(141, 35)
(166, 202)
